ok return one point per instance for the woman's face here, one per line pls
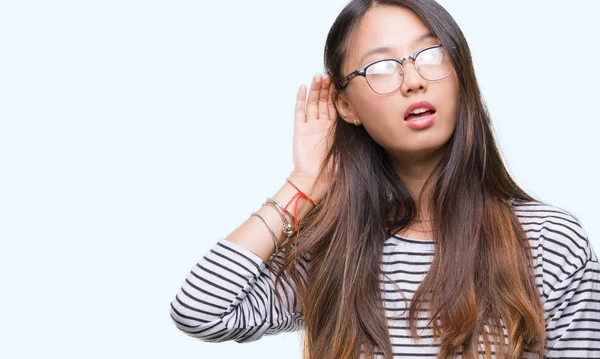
(383, 115)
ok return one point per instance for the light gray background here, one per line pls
(134, 134)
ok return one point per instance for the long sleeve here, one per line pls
(571, 289)
(230, 295)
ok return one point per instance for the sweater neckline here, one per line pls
(425, 242)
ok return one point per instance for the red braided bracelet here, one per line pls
(298, 195)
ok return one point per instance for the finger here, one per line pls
(299, 114)
(323, 94)
(313, 98)
(330, 104)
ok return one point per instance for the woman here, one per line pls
(399, 210)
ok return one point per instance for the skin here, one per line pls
(413, 153)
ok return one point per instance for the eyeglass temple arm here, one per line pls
(350, 77)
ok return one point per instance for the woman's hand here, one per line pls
(312, 122)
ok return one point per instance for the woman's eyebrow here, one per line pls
(417, 40)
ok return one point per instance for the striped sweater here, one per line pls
(229, 293)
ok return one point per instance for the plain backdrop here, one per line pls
(135, 134)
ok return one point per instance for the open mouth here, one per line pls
(419, 115)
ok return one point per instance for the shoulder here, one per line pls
(559, 241)
(553, 227)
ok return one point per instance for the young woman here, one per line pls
(400, 232)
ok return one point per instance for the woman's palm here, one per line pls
(312, 122)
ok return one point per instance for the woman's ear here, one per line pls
(345, 109)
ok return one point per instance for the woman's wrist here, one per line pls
(308, 184)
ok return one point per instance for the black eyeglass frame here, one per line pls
(362, 71)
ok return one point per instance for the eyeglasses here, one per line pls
(386, 75)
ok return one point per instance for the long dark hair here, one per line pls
(473, 224)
